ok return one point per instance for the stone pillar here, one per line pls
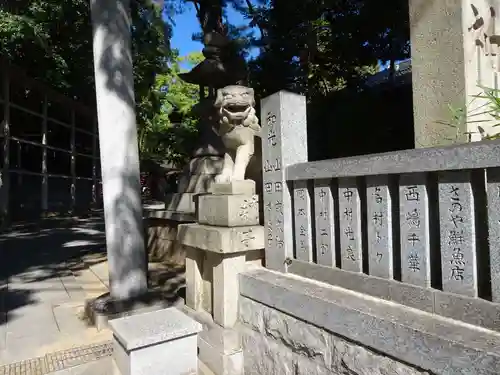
(226, 241)
(454, 50)
(118, 148)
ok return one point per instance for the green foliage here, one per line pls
(163, 138)
(461, 117)
(314, 47)
(318, 47)
(52, 41)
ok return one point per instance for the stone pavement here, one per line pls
(46, 275)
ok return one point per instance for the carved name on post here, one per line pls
(458, 241)
(414, 221)
(350, 225)
(303, 228)
(379, 222)
(273, 186)
(324, 223)
(284, 118)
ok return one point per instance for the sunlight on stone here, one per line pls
(80, 243)
(88, 231)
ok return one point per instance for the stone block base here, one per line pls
(221, 240)
(220, 350)
(228, 210)
(212, 282)
(159, 343)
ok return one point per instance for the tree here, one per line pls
(387, 30)
(171, 132)
(52, 41)
(310, 47)
(318, 47)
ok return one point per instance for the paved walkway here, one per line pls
(46, 275)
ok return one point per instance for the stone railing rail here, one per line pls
(418, 227)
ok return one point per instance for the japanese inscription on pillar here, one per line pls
(457, 227)
(350, 225)
(324, 223)
(493, 191)
(273, 184)
(414, 221)
(284, 118)
(303, 227)
(379, 223)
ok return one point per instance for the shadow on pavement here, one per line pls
(37, 256)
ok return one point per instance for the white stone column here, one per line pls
(118, 148)
(454, 53)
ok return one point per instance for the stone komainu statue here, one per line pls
(240, 132)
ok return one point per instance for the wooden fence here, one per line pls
(50, 154)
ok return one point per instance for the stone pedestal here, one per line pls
(227, 243)
(207, 162)
(221, 351)
(454, 52)
(158, 343)
(198, 177)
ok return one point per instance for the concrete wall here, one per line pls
(291, 325)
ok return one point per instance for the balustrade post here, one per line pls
(284, 142)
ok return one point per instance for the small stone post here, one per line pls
(119, 148)
(284, 142)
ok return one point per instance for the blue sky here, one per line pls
(186, 24)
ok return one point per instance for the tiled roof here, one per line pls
(401, 75)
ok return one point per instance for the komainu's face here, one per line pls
(235, 102)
